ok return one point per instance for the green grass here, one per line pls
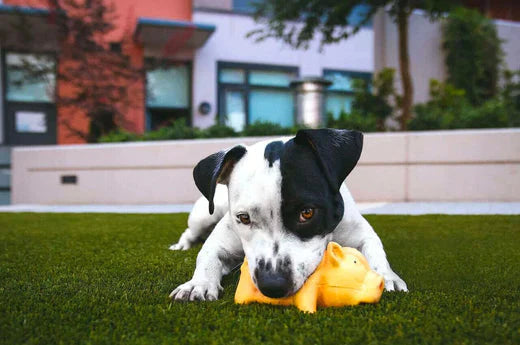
(102, 279)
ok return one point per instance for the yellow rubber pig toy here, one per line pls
(342, 278)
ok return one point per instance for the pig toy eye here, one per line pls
(355, 261)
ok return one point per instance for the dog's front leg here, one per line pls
(355, 231)
(220, 253)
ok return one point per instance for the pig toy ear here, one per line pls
(335, 253)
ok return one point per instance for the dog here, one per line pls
(278, 203)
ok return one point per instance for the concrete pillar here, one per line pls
(310, 101)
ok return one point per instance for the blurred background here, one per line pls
(164, 83)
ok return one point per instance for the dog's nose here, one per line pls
(273, 284)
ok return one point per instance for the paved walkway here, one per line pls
(410, 208)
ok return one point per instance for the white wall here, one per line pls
(426, 54)
(228, 43)
(2, 118)
(462, 165)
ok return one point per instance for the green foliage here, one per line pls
(353, 120)
(105, 279)
(119, 135)
(297, 22)
(179, 129)
(372, 104)
(219, 131)
(473, 54)
(266, 128)
(510, 95)
(449, 108)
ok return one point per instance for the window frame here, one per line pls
(158, 62)
(367, 76)
(3, 74)
(246, 87)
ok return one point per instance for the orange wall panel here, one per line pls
(126, 14)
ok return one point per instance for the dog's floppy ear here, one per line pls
(337, 151)
(216, 169)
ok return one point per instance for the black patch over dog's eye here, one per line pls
(306, 214)
(244, 218)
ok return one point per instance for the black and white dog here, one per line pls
(284, 201)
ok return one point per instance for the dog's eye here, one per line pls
(306, 214)
(244, 218)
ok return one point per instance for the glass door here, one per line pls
(233, 104)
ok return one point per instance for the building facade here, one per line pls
(245, 81)
(206, 70)
(214, 74)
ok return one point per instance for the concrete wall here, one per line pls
(228, 43)
(2, 118)
(467, 165)
(426, 55)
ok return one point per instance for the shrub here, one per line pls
(218, 131)
(448, 108)
(178, 129)
(375, 101)
(119, 135)
(442, 110)
(510, 95)
(473, 54)
(354, 120)
(266, 128)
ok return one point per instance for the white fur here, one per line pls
(255, 188)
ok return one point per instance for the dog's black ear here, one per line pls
(337, 150)
(216, 169)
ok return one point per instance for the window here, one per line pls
(30, 78)
(339, 95)
(245, 6)
(255, 93)
(168, 88)
(359, 13)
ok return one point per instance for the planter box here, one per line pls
(465, 165)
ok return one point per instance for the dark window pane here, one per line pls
(270, 78)
(271, 106)
(343, 81)
(168, 87)
(232, 75)
(30, 78)
(358, 14)
(336, 104)
(245, 6)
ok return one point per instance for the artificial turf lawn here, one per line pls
(96, 279)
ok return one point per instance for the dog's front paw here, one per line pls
(393, 282)
(185, 242)
(196, 291)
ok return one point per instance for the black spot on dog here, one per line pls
(287, 262)
(313, 166)
(276, 247)
(272, 152)
(268, 266)
(261, 264)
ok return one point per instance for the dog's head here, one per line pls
(284, 201)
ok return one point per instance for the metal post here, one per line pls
(310, 101)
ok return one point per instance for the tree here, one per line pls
(297, 21)
(96, 77)
(473, 54)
